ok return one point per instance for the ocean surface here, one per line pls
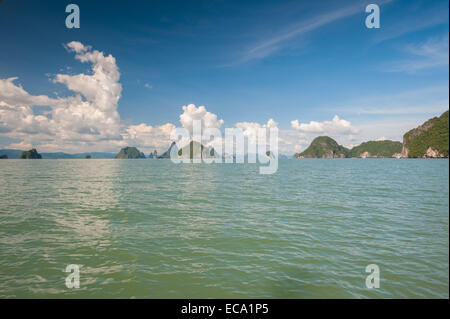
(155, 229)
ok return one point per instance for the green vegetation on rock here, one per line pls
(130, 153)
(376, 149)
(324, 147)
(432, 135)
(31, 154)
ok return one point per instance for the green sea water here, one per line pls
(154, 229)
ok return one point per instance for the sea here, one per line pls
(317, 228)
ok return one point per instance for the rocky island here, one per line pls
(130, 153)
(376, 149)
(429, 140)
(324, 147)
(31, 154)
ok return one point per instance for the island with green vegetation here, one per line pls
(324, 147)
(31, 154)
(130, 153)
(429, 140)
(376, 149)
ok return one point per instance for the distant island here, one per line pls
(324, 147)
(130, 153)
(9, 153)
(31, 154)
(376, 149)
(430, 140)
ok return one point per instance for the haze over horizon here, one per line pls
(131, 74)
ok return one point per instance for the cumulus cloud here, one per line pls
(192, 113)
(431, 54)
(335, 126)
(21, 146)
(251, 126)
(84, 118)
(149, 137)
(87, 120)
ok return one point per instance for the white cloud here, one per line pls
(149, 137)
(192, 113)
(335, 126)
(89, 116)
(275, 43)
(87, 120)
(430, 54)
(20, 146)
(414, 18)
(250, 129)
(247, 127)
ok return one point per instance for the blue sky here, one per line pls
(245, 61)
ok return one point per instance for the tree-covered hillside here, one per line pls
(377, 149)
(433, 133)
(324, 147)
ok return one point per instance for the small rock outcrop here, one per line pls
(433, 153)
(365, 155)
(4, 156)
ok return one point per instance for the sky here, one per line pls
(135, 70)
